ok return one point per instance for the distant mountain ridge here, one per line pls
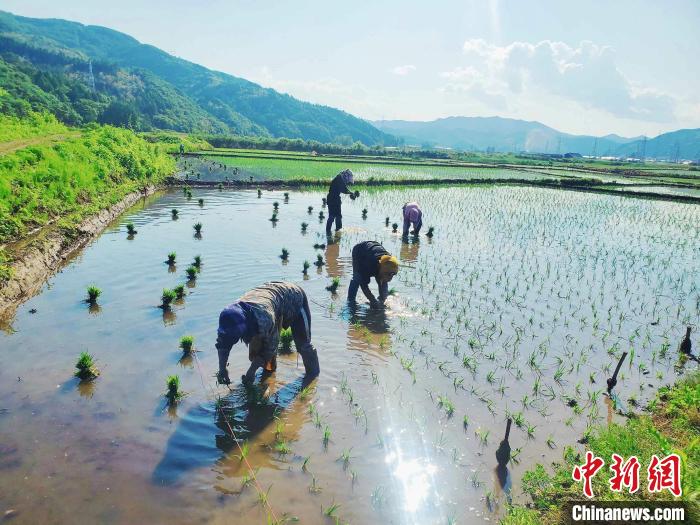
(90, 73)
(506, 134)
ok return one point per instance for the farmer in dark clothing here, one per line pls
(256, 318)
(370, 259)
(338, 185)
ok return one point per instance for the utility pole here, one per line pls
(644, 149)
(595, 148)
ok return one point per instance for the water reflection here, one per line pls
(409, 250)
(203, 437)
(169, 317)
(86, 389)
(333, 267)
(94, 309)
(368, 328)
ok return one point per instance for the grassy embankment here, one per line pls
(65, 182)
(671, 425)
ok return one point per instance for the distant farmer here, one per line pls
(412, 215)
(256, 318)
(182, 149)
(370, 259)
(338, 185)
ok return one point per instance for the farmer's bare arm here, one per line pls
(368, 294)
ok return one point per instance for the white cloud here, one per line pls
(586, 75)
(403, 70)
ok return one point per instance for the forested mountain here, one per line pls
(89, 73)
(499, 134)
(505, 134)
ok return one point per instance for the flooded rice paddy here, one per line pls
(518, 307)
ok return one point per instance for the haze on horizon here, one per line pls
(626, 67)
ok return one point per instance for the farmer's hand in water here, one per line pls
(222, 377)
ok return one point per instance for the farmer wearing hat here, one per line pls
(338, 185)
(370, 259)
(256, 318)
(412, 214)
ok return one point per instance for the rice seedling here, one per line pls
(173, 392)
(187, 343)
(188, 194)
(286, 196)
(191, 272)
(285, 254)
(304, 465)
(345, 457)
(93, 292)
(321, 215)
(364, 213)
(326, 435)
(201, 202)
(259, 193)
(274, 218)
(275, 205)
(131, 229)
(263, 497)
(305, 268)
(447, 405)
(167, 297)
(197, 262)
(430, 232)
(174, 213)
(306, 392)
(197, 228)
(395, 227)
(286, 338)
(304, 226)
(333, 287)
(330, 511)
(324, 202)
(171, 258)
(86, 370)
(282, 447)
(314, 488)
(551, 443)
(179, 291)
(319, 261)
(244, 450)
(220, 186)
(310, 210)
(531, 430)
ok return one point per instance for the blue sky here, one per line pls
(627, 66)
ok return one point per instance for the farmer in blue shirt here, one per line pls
(256, 318)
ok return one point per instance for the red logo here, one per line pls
(625, 474)
(587, 471)
(665, 474)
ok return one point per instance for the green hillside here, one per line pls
(87, 74)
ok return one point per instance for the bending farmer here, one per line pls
(338, 185)
(370, 259)
(256, 318)
(412, 214)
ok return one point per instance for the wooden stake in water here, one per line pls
(503, 452)
(612, 381)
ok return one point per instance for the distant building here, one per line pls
(573, 155)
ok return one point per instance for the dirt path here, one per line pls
(14, 145)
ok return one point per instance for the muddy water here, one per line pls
(521, 303)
